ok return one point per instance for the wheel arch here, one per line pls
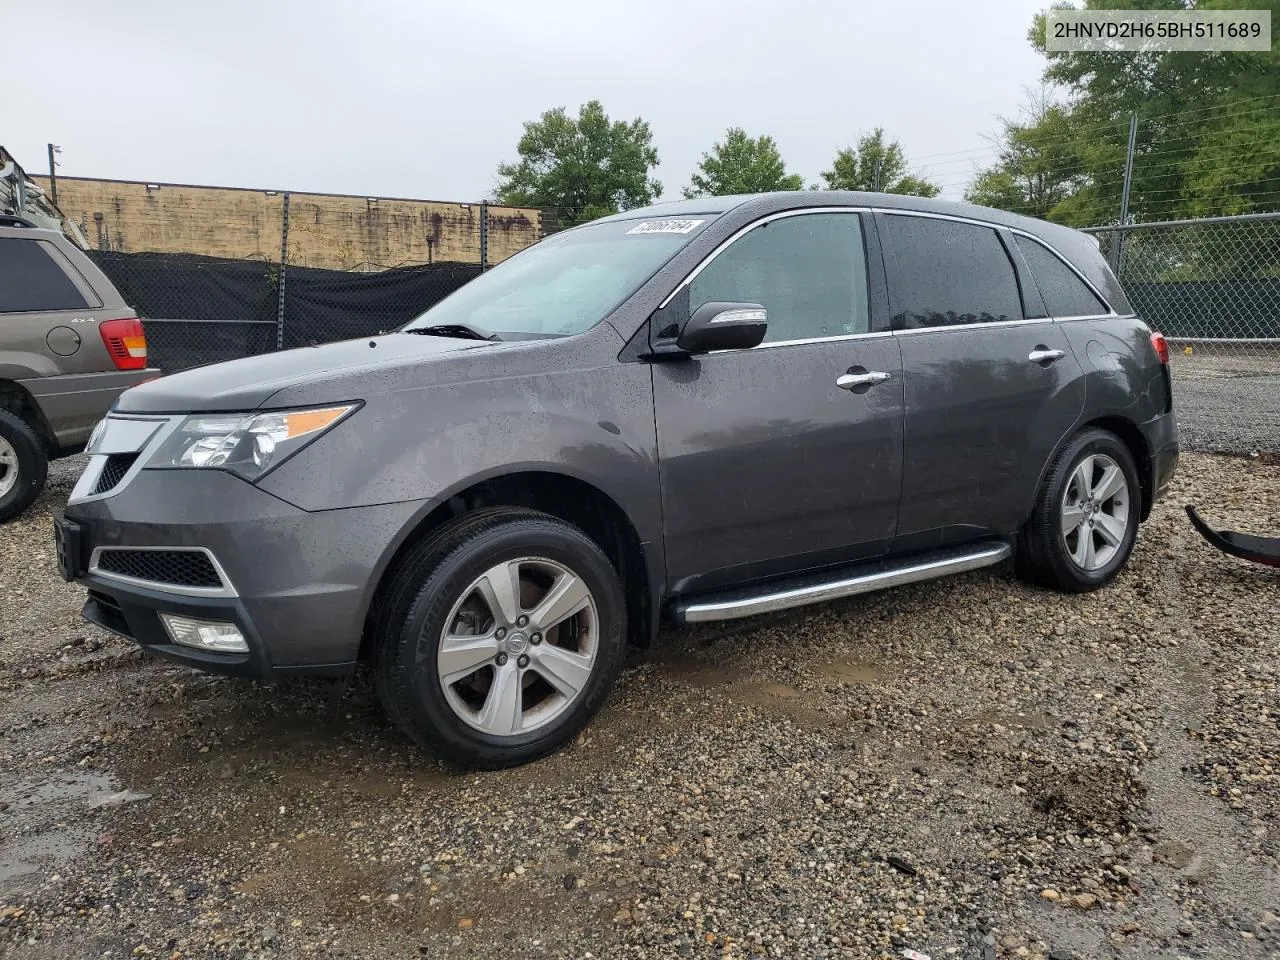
(1136, 443)
(1128, 433)
(15, 398)
(562, 495)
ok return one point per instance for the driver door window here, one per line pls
(808, 271)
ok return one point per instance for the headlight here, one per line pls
(247, 444)
(94, 437)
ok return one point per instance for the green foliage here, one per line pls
(855, 168)
(742, 164)
(1208, 139)
(588, 167)
(1037, 164)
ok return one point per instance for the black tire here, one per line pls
(32, 465)
(1043, 556)
(426, 585)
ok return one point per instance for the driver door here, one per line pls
(771, 463)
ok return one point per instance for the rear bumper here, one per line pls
(73, 403)
(1161, 434)
(296, 584)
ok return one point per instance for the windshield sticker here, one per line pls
(666, 226)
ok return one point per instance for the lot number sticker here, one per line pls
(666, 226)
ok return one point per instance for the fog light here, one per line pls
(215, 635)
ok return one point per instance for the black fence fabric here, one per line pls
(1244, 309)
(188, 287)
(174, 345)
(200, 310)
(325, 305)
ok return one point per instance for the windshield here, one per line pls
(568, 282)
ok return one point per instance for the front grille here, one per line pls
(117, 466)
(179, 568)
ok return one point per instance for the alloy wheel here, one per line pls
(8, 467)
(1095, 512)
(519, 646)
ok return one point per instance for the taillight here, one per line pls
(126, 343)
(1161, 346)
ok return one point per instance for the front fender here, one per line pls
(428, 442)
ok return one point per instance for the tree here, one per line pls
(742, 164)
(876, 165)
(1207, 128)
(1037, 163)
(588, 167)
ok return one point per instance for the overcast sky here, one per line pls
(418, 98)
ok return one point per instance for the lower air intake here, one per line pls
(179, 568)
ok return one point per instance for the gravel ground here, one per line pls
(1234, 413)
(966, 768)
(1228, 398)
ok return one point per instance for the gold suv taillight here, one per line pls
(126, 342)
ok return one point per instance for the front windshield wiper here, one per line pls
(461, 331)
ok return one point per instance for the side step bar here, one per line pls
(846, 582)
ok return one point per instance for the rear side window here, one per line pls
(809, 272)
(31, 279)
(1065, 294)
(944, 273)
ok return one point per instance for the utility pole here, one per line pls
(875, 177)
(1124, 194)
(1128, 170)
(53, 173)
(284, 269)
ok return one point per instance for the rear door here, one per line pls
(768, 464)
(991, 384)
(46, 311)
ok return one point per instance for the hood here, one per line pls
(248, 383)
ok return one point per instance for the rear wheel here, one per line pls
(1085, 521)
(24, 465)
(502, 635)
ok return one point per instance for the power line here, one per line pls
(1029, 135)
(1145, 169)
(1229, 103)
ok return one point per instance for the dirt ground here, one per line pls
(964, 768)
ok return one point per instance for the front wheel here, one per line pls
(1085, 520)
(23, 465)
(503, 633)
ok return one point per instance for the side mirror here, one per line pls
(723, 325)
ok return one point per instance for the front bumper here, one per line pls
(134, 613)
(298, 584)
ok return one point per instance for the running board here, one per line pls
(834, 584)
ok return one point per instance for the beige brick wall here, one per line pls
(325, 230)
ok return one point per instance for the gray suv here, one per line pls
(701, 410)
(68, 347)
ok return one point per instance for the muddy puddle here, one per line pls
(47, 821)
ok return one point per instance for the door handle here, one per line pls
(1045, 357)
(852, 381)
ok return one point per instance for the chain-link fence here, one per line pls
(219, 273)
(1212, 286)
(200, 310)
